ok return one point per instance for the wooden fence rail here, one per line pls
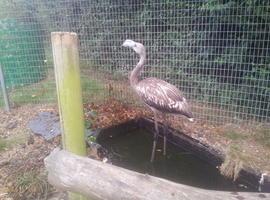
(98, 180)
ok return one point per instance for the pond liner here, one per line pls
(247, 176)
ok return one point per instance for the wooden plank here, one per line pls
(99, 180)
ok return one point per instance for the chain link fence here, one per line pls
(216, 52)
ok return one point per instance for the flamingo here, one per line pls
(161, 97)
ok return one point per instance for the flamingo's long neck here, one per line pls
(134, 76)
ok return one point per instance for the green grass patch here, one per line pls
(12, 141)
(262, 136)
(233, 135)
(3, 144)
(30, 185)
(45, 91)
(1, 100)
(16, 140)
(90, 84)
(233, 163)
(92, 90)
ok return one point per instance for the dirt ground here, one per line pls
(22, 173)
(22, 154)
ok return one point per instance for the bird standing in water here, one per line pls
(160, 96)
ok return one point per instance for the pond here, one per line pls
(132, 150)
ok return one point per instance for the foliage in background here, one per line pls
(217, 51)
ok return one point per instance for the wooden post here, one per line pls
(67, 75)
(4, 91)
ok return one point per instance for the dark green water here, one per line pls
(132, 151)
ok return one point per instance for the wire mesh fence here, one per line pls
(216, 52)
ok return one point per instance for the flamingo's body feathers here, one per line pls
(163, 96)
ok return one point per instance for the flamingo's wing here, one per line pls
(163, 96)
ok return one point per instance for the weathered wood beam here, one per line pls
(99, 180)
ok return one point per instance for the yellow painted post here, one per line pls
(67, 75)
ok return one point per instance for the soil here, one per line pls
(22, 153)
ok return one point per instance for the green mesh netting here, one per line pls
(22, 53)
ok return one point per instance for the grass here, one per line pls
(248, 147)
(232, 165)
(12, 141)
(3, 144)
(262, 136)
(45, 91)
(234, 135)
(92, 89)
(17, 139)
(30, 185)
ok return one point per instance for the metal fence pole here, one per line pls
(4, 91)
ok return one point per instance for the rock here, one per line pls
(30, 140)
(97, 150)
(11, 125)
(3, 163)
